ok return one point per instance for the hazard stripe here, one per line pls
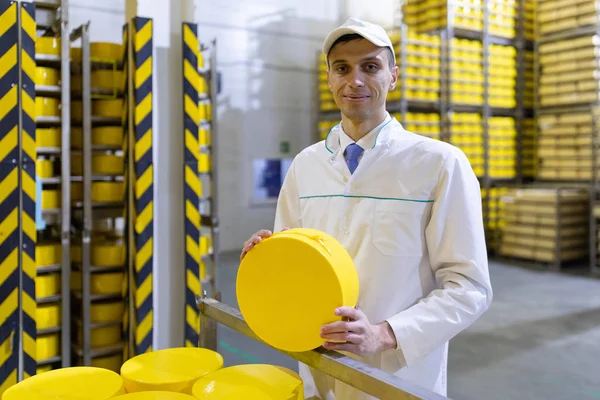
(10, 260)
(28, 186)
(192, 185)
(144, 184)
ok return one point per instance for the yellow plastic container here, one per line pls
(107, 312)
(47, 45)
(75, 383)
(107, 192)
(107, 108)
(76, 53)
(110, 363)
(44, 168)
(47, 316)
(102, 164)
(269, 381)
(108, 254)
(51, 199)
(171, 370)
(47, 285)
(47, 107)
(101, 136)
(315, 264)
(106, 51)
(47, 346)
(46, 76)
(48, 254)
(155, 396)
(102, 336)
(48, 137)
(204, 163)
(101, 79)
(100, 283)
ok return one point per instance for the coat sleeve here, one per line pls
(288, 213)
(458, 258)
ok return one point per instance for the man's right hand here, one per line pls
(254, 240)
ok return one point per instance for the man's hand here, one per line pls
(358, 334)
(256, 239)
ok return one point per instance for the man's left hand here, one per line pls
(358, 334)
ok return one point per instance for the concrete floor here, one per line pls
(539, 340)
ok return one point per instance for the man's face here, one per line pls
(360, 77)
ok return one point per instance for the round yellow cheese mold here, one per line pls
(43, 369)
(46, 76)
(48, 254)
(107, 108)
(47, 346)
(47, 285)
(275, 278)
(171, 370)
(110, 363)
(103, 254)
(44, 168)
(106, 51)
(47, 107)
(102, 336)
(102, 164)
(155, 396)
(107, 192)
(47, 45)
(107, 312)
(100, 283)
(101, 136)
(51, 199)
(75, 383)
(101, 79)
(48, 137)
(263, 381)
(47, 316)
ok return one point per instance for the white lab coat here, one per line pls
(410, 217)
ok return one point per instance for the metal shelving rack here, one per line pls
(52, 19)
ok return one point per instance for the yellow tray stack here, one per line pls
(560, 15)
(325, 126)
(569, 71)
(422, 67)
(529, 19)
(529, 93)
(529, 152)
(466, 72)
(467, 134)
(502, 148)
(538, 222)
(503, 73)
(426, 124)
(565, 146)
(495, 220)
(326, 101)
(429, 15)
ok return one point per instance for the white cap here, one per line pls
(372, 32)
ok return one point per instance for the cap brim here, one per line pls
(339, 32)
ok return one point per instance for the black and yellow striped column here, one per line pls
(144, 183)
(9, 195)
(192, 187)
(28, 186)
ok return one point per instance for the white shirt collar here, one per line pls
(367, 141)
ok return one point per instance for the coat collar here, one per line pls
(334, 141)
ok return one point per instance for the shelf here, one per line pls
(47, 4)
(48, 150)
(94, 269)
(42, 120)
(99, 297)
(106, 120)
(112, 93)
(79, 204)
(47, 91)
(100, 178)
(47, 269)
(101, 351)
(462, 33)
(47, 60)
(49, 361)
(51, 211)
(48, 299)
(46, 331)
(587, 107)
(100, 148)
(51, 181)
(97, 324)
(568, 34)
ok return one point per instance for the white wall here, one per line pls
(106, 18)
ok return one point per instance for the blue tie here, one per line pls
(353, 152)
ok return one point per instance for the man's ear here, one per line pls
(394, 78)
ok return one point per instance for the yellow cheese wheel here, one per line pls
(47, 346)
(48, 316)
(75, 383)
(101, 136)
(102, 164)
(43, 369)
(108, 254)
(48, 254)
(100, 283)
(76, 110)
(107, 312)
(102, 336)
(273, 281)
(101, 79)
(107, 192)
(204, 137)
(48, 137)
(107, 108)
(269, 381)
(155, 396)
(172, 370)
(112, 363)
(106, 51)
(47, 107)
(46, 76)
(47, 45)
(47, 285)
(204, 163)
(76, 53)
(44, 168)
(51, 199)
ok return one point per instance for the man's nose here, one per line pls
(355, 78)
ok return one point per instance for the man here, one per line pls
(408, 211)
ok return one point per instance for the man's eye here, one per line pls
(372, 67)
(341, 69)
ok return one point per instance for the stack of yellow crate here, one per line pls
(326, 101)
(502, 148)
(529, 90)
(495, 220)
(536, 227)
(529, 149)
(565, 146)
(428, 15)
(325, 126)
(569, 71)
(422, 67)
(426, 124)
(529, 19)
(559, 15)
(502, 77)
(467, 134)
(466, 73)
